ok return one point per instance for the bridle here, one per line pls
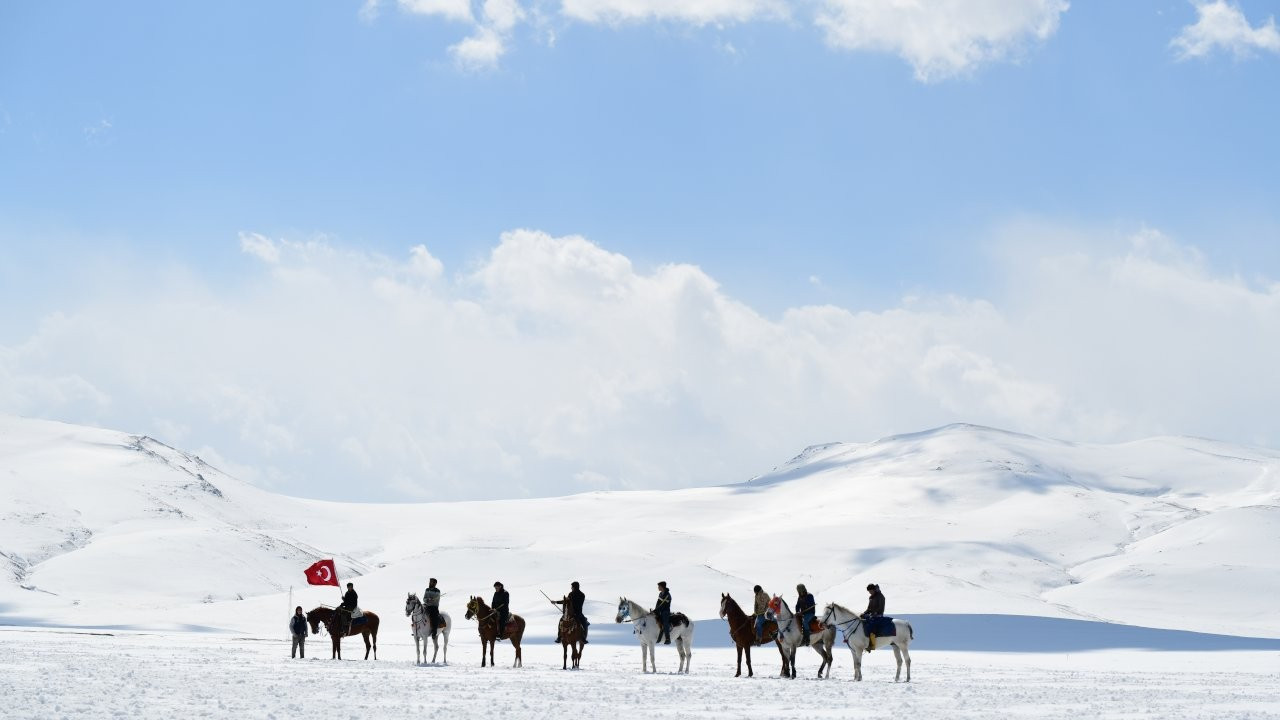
(847, 628)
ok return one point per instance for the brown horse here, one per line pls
(338, 625)
(571, 636)
(742, 630)
(487, 623)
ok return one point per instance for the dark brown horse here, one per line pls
(487, 623)
(742, 629)
(338, 625)
(571, 635)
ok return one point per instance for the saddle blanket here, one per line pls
(881, 626)
(816, 626)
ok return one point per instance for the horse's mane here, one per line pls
(838, 606)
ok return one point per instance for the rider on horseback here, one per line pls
(663, 612)
(875, 608)
(431, 601)
(349, 605)
(806, 610)
(502, 606)
(760, 613)
(576, 599)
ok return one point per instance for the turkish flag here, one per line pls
(322, 573)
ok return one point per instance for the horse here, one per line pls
(743, 632)
(339, 625)
(791, 636)
(855, 636)
(421, 623)
(571, 635)
(487, 623)
(647, 627)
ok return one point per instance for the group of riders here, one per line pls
(805, 608)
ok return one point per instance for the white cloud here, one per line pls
(1221, 25)
(554, 365)
(940, 38)
(481, 51)
(694, 12)
(458, 10)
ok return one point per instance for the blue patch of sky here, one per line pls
(162, 130)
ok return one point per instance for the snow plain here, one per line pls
(50, 675)
(1044, 579)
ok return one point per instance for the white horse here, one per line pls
(855, 636)
(421, 622)
(646, 626)
(790, 636)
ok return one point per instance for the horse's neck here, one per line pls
(636, 610)
(733, 611)
(784, 612)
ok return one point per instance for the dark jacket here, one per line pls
(664, 603)
(298, 626)
(576, 599)
(805, 604)
(875, 605)
(349, 600)
(500, 601)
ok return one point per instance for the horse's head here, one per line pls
(313, 618)
(624, 610)
(473, 607)
(411, 603)
(775, 604)
(828, 613)
(724, 605)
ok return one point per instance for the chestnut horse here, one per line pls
(570, 635)
(338, 625)
(487, 623)
(742, 629)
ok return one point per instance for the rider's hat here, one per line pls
(497, 584)
(574, 584)
(431, 581)
(872, 586)
(662, 583)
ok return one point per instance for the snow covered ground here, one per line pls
(58, 674)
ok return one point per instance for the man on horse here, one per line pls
(349, 604)
(431, 601)
(502, 606)
(806, 610)
(576, 599)
(875, 608)
(760, 613)
(663, 612)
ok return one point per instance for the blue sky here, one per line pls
(141, 144)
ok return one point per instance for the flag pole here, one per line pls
(290, 610)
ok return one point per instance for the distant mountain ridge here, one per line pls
(101, 527)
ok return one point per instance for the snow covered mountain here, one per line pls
(100, 528)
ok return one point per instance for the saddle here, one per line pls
(816, 626)
(881, 626)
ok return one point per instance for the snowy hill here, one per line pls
(107, 529)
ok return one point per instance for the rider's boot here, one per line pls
(667, 635)
(871, 642)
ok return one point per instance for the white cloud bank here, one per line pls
(554, 365)
(1221, 25)
(939, 38)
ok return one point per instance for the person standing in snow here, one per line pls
(663, 611)
(760, 613)
(431, 601)
(576, 599)
(298, 629)
(501, 605)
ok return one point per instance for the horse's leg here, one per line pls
(519, 660)
(564, 664)
(446, 647)
(857, 664)
(897, 655)
(906, 653)
(739, 673)
(653, 659)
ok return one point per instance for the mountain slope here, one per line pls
(106, 528)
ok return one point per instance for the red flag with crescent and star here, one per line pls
(322, 572)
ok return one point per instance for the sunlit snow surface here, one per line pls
(50, 674)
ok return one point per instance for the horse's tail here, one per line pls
(911, 632)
